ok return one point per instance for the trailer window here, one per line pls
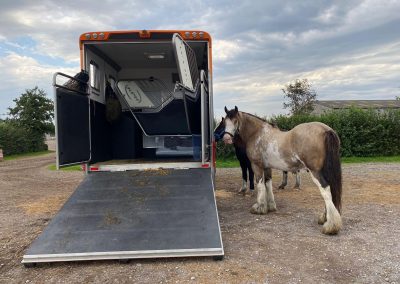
(94, 76)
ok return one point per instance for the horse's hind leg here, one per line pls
(298, 180)
(322, 218)
(270, 195)
(333, 222)
(261, 206)
(284, 180)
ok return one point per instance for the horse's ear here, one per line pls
(222, 119)
(236, 109)
(226, 110)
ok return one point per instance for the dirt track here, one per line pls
(281, 247)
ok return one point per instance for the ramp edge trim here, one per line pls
(122, 255)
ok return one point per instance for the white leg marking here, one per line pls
(270, 197)
(333, 219)
(244, 187)
(261, 206)
(298, 181)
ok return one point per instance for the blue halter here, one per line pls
(219, 135)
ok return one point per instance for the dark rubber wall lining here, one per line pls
(73, 126)
(171, 120)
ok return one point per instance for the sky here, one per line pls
(346, 49)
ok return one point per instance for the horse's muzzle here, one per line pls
(227, 139)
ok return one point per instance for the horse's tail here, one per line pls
(332, 170)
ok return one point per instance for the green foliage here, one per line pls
(225, 151)
(363, 133)
(33, 111)
(15, 139)
(31, 118)
(300, 96)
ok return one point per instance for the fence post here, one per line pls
(1, 155)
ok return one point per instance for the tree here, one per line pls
(398, 98)
(301, 97)
(33, 111)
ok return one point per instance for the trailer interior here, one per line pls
(165, 106)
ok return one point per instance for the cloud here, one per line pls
(23, 72)
(347, 49)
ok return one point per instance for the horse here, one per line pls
(313, 146)
(80, 85)
(245, 163)
(285, 178)
(241, 155)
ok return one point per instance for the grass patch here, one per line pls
(227, 163)
(26, 155)
(234, 163)
(379, 159)
(52, 167)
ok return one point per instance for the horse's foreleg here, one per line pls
(270, 195)
(243, 166)
(284, 180)
(251, 176)
(333, 219)
(261, 206)
(298, 180)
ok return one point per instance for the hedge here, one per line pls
(363, 133)
(17, 140)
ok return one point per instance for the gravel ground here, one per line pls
(282, 247)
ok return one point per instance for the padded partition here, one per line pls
(126, 138)
(171, 120)
(72, 127)
(194, 115)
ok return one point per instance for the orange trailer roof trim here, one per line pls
(138, 35)
(141, 35)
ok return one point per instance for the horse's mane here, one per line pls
(262, 119)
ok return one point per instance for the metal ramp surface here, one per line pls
(134, 214)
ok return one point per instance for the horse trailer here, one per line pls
(140, 122)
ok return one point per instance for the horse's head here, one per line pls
(219, 131)
(231, 123)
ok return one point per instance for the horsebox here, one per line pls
(141, 126)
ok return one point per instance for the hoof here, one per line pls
(330, 228)
(242, 191)
(296, 188)
(281, 187)
(250, 192)
(322, 219)
(271, 207)
(259, 209)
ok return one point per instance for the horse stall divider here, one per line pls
(138, 116)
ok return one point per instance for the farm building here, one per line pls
(379, 105)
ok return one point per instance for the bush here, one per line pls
(363, 133)
(17, 140)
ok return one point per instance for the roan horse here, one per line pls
(313, 146)
(245, 164)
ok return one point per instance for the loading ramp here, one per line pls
(134, 214)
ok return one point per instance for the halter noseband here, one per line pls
(230, 134)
